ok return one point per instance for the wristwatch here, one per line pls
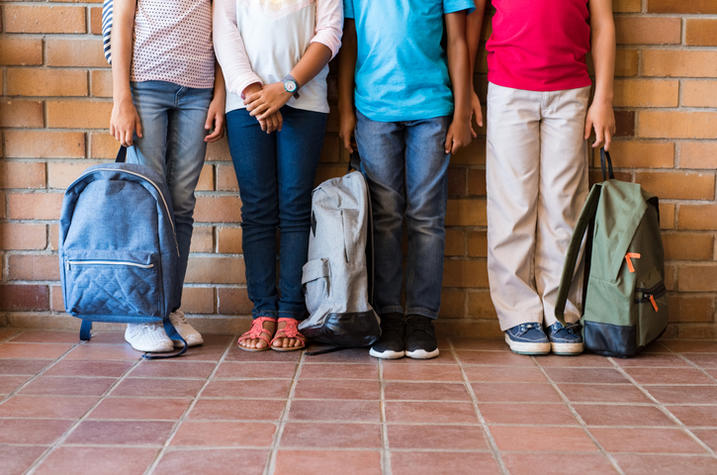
(290, 85)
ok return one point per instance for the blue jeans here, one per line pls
(276, 173)
(173, 144)
(405, 165)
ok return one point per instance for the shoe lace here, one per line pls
(526, 327)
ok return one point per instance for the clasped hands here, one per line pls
(263, 102)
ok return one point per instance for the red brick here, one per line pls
(456, 182)
(202, 239)
(677, 124)
(462, 273)
(215, 270)
(103, 145)
(218, 151)
(679, 62)
(678, 185)
(34, 205)
(698, 217)
(2, 206)
(690, 308)
(455, 242)
(19, 51)
(226, 178)
(96, 20)
(206, 179)
(24, 297)
(626, 62)
(453, 303)
(101, 83)
(697, 278)
(473, 154)
(233, 301)
(33, 267)
(476, 182)
(75, 52)
(477, 244)
(44, 144)
(667, 215)
(627, 6)
(646, 92)
(62, 174)
(198, 300)
(18, 113)
(46, 82)
(330, 151)
(480, 304)
(647, 30)
(79, 114)
(694, 331)
(639, 154)
(688, 246)
(230, 240)
(699, 93)
(700, 32)
(225, 209)
(57, 300)
(22, 174)
(54, 236)
(466, 212)
(698, 155)
(23, 236)
(624, 123)
(44, 19)
(689, 6)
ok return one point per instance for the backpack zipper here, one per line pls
(70, 263)
(649, 294)
(166, 207)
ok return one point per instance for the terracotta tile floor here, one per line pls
(97, 408)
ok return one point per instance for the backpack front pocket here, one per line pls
(651, 312)
(315, 279)
(112, 282)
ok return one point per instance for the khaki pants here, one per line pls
(537, 182)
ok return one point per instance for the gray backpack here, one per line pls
(335, 278)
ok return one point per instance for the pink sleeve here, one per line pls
(329, 24)
(229, 48)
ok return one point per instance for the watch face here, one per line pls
(290, 86)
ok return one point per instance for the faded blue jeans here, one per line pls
(405, 165)
(276, 173)
(173, 144)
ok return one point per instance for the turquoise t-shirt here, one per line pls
(401, 70)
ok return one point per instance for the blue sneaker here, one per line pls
(527, 339)
(565, 340)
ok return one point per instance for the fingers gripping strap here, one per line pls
(587, 216)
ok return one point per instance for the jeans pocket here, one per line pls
(112, 282)
(316, 282)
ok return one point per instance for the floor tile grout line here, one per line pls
(386, 468)
(697, 367)
(579, 418)
(270, 464)
(58, 442)
(664, 409)
(183, 417)
(483, 424)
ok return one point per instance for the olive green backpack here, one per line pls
(624, 295)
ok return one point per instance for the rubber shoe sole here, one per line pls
(525, 348)
(387, 354)
(422, 354)
(567, 349)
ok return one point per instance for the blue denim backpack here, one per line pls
(118, 250)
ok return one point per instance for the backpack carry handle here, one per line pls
(121, 154)
(586, 220)
(605, 158)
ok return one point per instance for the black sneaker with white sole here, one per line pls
(390, 345)
(420, 338)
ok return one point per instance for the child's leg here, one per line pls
(426, 166)
(563, 189)
(381, 146)
(254, 155)
(512, 176)
(185, 157)
(298, 150)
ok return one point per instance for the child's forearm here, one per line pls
(122, 27)
(317, 55)
(347, 66)
(474, 24)
(458, 66)
(219, 87)
(603, 48)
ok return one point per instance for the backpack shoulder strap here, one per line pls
(586, 220)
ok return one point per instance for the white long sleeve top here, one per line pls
(262, 40)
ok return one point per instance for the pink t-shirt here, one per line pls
(539, 45)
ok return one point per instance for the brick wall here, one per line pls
(55, 108)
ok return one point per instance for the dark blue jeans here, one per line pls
(405, 166)
(276, 175)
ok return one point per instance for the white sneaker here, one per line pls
(190, 335)
(148, 337)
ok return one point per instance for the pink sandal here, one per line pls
(257, 330)
(291, 330)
